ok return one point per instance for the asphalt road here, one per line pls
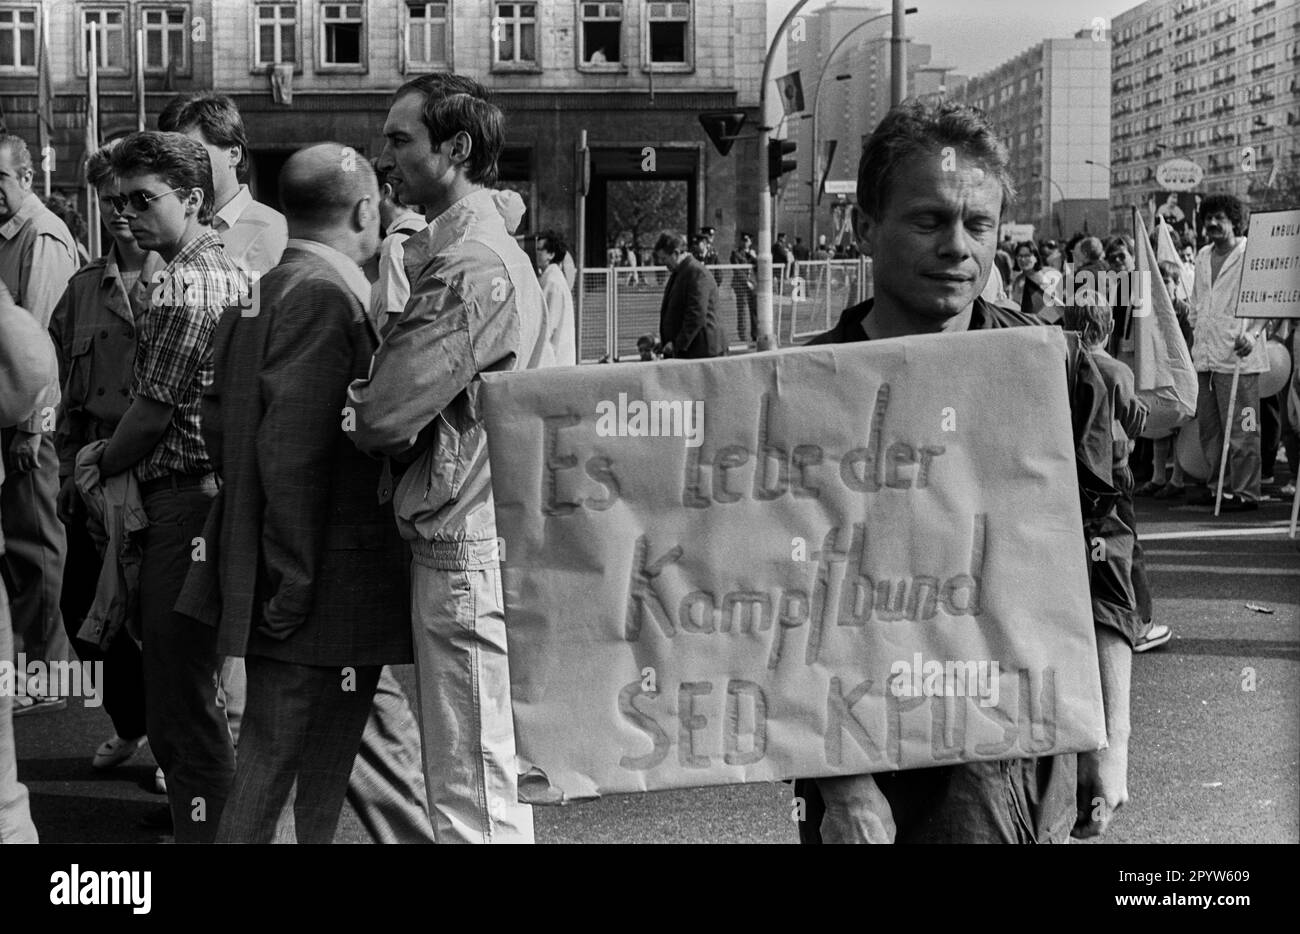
(1212, 761)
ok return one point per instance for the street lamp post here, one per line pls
(766, 339)
(1060, 192)
(763, 296)
(816, 159)
(1099, 165)
(812, 203)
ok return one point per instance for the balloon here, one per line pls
(1162, 420)
(1188, 451)
(1279, 368)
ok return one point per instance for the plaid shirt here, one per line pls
(173, 361)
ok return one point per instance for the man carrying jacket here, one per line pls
(475, 305)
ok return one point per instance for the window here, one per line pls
(275, 34)
(426, 35)
(17, 39)
(110, 22)
(669, 34)
(514, 34)
(165, 34)
(601, 26)
(342, 36)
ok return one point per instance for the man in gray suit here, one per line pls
(312, 571)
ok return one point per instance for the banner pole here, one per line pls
(1227, 429)
(1295, 509)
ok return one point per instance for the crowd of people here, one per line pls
(1202, 285)
(266, 481)
(259, 477)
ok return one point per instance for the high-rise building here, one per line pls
(1213, 82)
(1052, 106)
(853, 97)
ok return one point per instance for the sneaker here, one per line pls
(1237, 504)
(27, 705)
(159, 781)
(1156, 636)
(117, 750)
(1150, 488)
(1288, 490)
(1202, 497)
(1171, 491)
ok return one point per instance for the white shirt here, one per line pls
(254, 235)
(559, 327)
(353, 277)
(1214, 328)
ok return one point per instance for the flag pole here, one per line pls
(1295, 509)
(44, 68)
(139, 81)
(1227, 429)
(92, 137)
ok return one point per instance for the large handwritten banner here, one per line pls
(811, 562)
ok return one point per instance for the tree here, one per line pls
(641, 209)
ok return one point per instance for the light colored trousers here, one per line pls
(463, 697)
(15, 817)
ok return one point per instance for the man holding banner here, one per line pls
(1228, 357)
(932, 185)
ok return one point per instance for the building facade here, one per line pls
(634, 74)
(1051, 104)
(1216, 82)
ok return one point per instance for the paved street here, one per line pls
(1211, 762)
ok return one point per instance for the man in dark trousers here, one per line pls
(688, 318)
(165, 195)
(312, 570)
(932, 233)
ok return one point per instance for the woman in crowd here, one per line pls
(1032, 283)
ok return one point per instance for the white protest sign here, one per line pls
(818, 561)
(1270, 277)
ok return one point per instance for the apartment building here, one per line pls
(1051, 105)
(1215, 82)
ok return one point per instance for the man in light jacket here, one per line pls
(475, 305)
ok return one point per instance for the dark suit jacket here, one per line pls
(310, 566)
(688, 317)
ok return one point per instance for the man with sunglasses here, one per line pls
(37, 258)
(165, 195)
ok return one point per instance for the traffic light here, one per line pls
(780, 159)
(723, 128)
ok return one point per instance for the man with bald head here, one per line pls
(310, 566)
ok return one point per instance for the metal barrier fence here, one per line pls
(617, 305)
